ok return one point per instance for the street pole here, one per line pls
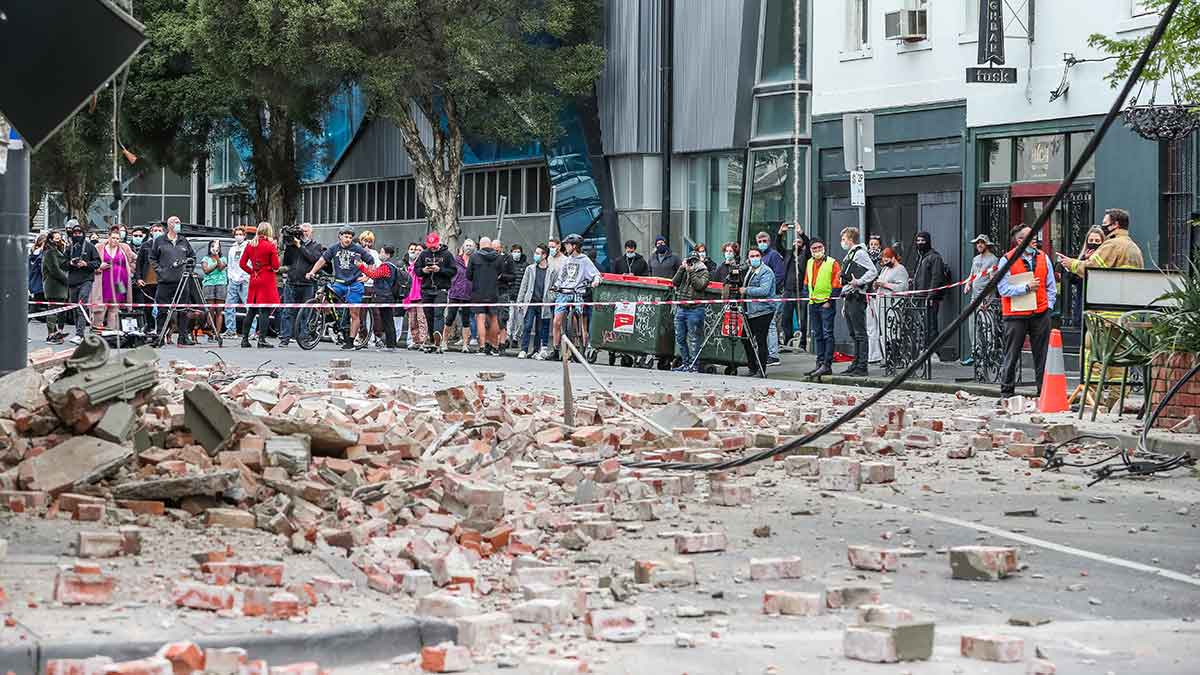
(14, 265)
(862, 209)
(668, 96)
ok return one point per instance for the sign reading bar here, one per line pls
(991, 75)
(991, 32)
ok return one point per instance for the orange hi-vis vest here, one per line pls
(1040, 269)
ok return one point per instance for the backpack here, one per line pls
(401, 282)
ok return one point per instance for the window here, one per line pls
(1178, 197)
(714, 198)
(778, 62)
(1140, 8)
(996, 160)
(772, 198)
(858, 25)
(971, 17)
(775, 116)
(1041, 158)
(1078, 143)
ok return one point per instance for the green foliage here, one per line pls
(77, 161)
(1180, 330)
(1178, 53)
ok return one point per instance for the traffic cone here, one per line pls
(1054, 381)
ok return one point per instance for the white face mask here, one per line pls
(239, 238)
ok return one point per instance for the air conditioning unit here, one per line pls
(906, 25)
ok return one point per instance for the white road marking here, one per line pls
(1032, 541)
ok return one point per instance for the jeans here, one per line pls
(533, 340)
(81, 293)
(1037, 327)
(820, 326)
(236, 293)
(790, 309)
(293, 294)
(434, 315)
(856, 320)
(773, 331)
(689, 326)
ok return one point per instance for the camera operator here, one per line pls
(730, 264)
(173, 261)
(300, 253)
(690, 281)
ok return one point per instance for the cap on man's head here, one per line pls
(983, 238)
(72, 223)
(432, 239)
(660, 239)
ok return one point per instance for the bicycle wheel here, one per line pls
(310, 325)
(365, 330)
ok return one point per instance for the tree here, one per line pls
(1176, 57)
(493, 69)
(76, 162)
(258, 57)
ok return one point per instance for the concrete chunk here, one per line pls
(889, 644)
(999, 648)
(982, 563)
(291, 453)
(213, 484)
(117, 424)
(77, 461)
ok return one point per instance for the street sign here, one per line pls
(991, 75)
(858, 141)
(858, 188)
(56, 55)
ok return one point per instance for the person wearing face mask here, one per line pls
(535, 321)
(239, 281)
(701, 251)
(54, 279)
(506, 282)
(413, 314)
(690, 282)
(875, 249)
(857, 274)
(554, 257)
(822, 288)
(930, 272)
(631, 264)
(146, 277)
(893, 278)
(663, 263)
(1118, 251)
(169, 256)
(36, 276)
(435, 268)
(1021, 324)
(460, 293)
(518, 262)
(729, 261)
(793, 274)
(772, 258)
(759, 285)
(983, 261)
(82, 262)
(299, 255)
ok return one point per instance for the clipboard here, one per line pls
(1026, 302)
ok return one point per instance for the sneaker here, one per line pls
(75, 339)
(681, 369)
(389, 350)
(229, 334)
(538, 356)
(523, 354)
(283, 342)
(773, 361)
(347, 345)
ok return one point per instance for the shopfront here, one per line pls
(1018, 175)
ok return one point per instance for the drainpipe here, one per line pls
(668, 61)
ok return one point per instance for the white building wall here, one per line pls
(888, 74)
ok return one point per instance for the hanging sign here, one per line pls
(991, 75)
(991, 32)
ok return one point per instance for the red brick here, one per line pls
(90, 587)
(152, 666)
(97, 665)
(143, 507)
(202, 596)
(90, 512)
(445, 658)
(185, 657)
(284, 605)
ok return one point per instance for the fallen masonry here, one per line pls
(468, 505)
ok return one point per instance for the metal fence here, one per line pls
(904, 334)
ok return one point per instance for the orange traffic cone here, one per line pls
(1054, 382)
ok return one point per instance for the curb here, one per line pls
(923, 386)
(1158, 441)
(331, 648)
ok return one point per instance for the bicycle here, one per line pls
(575, 325)
(313, 324)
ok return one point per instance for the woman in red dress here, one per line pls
(261, 262)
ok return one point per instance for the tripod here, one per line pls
(191, 285)
(738, 312)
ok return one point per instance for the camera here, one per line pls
(693, 260)
(290, 232)
(736, 276)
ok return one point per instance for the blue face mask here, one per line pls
(763, 246)
(1031, 250)
(537, 257)
(728, 256)
(630, 254)
(756, 262)
(137, 240)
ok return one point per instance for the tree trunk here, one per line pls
(437, 168)
(272, 136)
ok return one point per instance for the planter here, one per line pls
(1167, 369)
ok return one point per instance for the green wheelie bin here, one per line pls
(725, 346)
(632, 332)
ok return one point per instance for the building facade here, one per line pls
(960, 159)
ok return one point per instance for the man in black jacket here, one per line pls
(517, 262)
(632, 263)
(435, 268)
(930, 272)
(796, 261)
(663, 264)
(299, 255)
(145, 278)
(173, 260)
(486, 270)
(82, 261)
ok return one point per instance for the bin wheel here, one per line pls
(591, 354)
(626, 361)
(731, 370)
(710, 370)
(664, 363)
(612, 358)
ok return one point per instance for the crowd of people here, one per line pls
(792, 289)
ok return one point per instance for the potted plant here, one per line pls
(1177, 351)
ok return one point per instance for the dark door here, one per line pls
(894, 217)
(941, 216)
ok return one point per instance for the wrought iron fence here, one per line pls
(988, 350)
(904, 334)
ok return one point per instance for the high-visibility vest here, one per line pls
(1040, 270)
(820, 290)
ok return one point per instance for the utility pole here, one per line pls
(14, 240)
(668, 95)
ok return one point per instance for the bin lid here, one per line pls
(716, 285)
(631, 279)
